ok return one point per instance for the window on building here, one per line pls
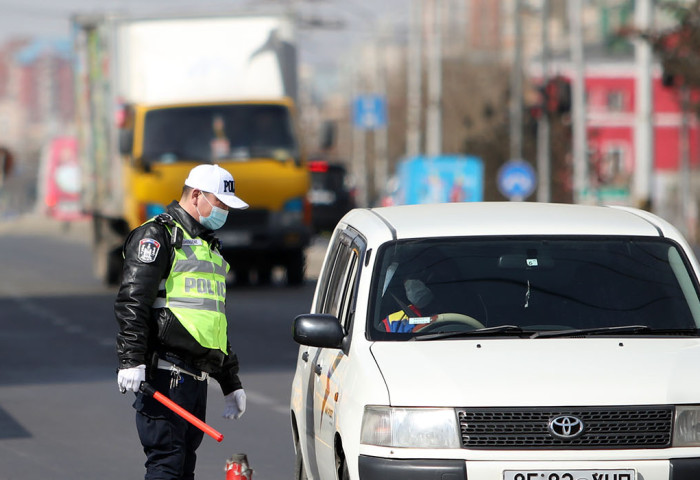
(616, 101)
(613, 170)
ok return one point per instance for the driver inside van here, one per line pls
(415, 315)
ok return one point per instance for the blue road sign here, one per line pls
(369, 112)
(516, 179)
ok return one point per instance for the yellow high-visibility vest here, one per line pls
(195, 291)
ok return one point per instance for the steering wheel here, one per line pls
(456, 318)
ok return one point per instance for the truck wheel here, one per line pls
(115, 265)
(106, 254)
(296, 267)
(107, 265)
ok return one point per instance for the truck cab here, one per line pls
(257, 143)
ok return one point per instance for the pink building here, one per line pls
(611, 120)
(610, 105)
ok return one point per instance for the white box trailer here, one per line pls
(170, 60)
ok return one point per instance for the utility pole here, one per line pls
(544, 162)
(516, 86)
(578, 110)
(414, 69)
(370, 112)
(359, 152)
(381, 140)
(686, 197)
(644, 128)
(433, 137)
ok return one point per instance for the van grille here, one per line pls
(604, 427)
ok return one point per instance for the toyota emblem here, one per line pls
(565, 427)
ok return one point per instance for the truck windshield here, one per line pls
(555, 284)
(208, 133)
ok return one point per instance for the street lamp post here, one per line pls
(516, 87)
(543, 131)
(578, 110)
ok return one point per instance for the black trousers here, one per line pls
(169, 441)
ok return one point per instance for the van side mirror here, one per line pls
(318, 330)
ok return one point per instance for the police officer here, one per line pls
(172, 322)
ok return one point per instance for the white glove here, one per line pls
(131, 378)
(235, 404)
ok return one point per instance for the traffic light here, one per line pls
(668, 79)
(558, 95)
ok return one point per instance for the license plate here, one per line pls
(569, 475)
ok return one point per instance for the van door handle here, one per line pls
(318, 369)
(305, 356)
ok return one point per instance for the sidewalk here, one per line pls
(38, 224)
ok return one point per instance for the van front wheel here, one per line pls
(299, 472)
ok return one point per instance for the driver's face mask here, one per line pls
(417, 293)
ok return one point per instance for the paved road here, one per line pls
(61, 416)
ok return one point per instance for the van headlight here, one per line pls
(410, 427)
(686, 427)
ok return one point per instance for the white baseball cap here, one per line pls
(216, 180)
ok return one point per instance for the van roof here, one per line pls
(508, 218)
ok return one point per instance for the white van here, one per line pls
(500, 341)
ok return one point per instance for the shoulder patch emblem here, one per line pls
(148, 250)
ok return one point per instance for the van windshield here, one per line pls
(522, 286)
(209, 133)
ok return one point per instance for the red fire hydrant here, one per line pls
(237, 468)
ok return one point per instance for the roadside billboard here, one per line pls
(445, 178)
(59, 180)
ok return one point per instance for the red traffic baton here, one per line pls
(149, 390)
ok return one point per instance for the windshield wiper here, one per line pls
(515, 330)
(624, 329)
(592, 331)
(510, 329)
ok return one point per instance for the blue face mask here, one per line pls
(216, 218)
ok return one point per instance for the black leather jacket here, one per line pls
(146, 333)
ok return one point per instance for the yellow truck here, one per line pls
(157, 96)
